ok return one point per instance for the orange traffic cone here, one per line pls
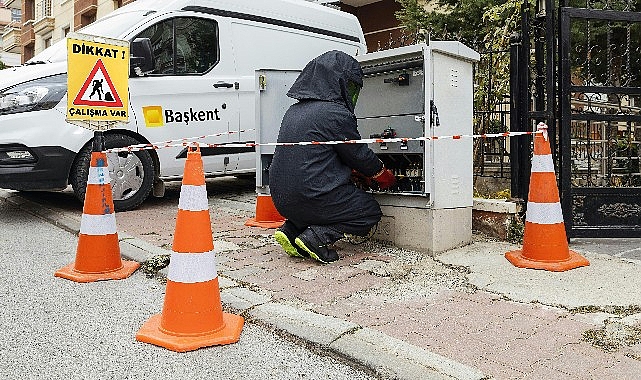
(545, 244)
(98, 253)
(192, 314)
(266, 214)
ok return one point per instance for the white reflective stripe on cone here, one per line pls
(98, 224)
(544, 213)
(193, 198)
(98, 176)
(542, 163)
(192, 267)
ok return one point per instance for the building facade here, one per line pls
(37, 24)
(10, 25)
(45, 22)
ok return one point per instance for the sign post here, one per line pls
(98, 83)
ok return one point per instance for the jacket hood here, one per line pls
(325, 78)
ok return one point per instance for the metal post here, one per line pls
(550, 47)
(98, 144)
(515, 42)
(564, 119)
(520, 109)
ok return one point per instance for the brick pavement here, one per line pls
(411, 297)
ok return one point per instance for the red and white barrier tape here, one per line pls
(186, 141)
(139, 147)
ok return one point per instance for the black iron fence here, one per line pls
(491, 115)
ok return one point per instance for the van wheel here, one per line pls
(131, 173)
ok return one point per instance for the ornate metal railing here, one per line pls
(601, 116)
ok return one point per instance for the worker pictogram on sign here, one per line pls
(98, 89)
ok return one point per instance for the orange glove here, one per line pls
(385, 179)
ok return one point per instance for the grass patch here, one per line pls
(151, 266)
(612, 336)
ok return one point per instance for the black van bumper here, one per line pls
(34, 168)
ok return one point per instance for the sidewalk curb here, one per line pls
(388, 357)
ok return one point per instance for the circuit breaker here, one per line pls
(422, 93)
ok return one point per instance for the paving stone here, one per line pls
(545, 342)
(623, 369)
(543, 370)
(521, 354)
(243, 273)
(579, 358)
(571, 328)
(497, 370)
(323, 290)
(499, 336)
(309, 274)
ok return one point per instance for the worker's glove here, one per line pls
(385, 179)
(360, 180)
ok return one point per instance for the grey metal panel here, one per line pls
(271, 105)
(452, 162)
(378, 98)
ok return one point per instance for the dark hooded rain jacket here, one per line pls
(311, 184)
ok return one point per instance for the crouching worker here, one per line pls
(310, 184)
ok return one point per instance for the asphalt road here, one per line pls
(51, 328)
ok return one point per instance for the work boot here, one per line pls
(318, 250)
(285, 236)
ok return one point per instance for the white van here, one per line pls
(198, 58)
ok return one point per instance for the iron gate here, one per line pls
(600, 117)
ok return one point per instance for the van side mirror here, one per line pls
(141, 57)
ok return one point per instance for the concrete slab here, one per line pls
(606, 281)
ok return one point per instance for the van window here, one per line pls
(183, 45)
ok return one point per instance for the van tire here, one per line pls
(130, 187)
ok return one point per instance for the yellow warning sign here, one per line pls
(97, 79)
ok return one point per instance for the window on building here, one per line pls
(183, 45)
(16, 15)
(117, 4)
(47, 42)
(87, 19)
(65, 31)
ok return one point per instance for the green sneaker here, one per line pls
(313, 246)
(284, 241)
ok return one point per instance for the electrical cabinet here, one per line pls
(420, 92)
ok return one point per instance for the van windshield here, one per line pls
(112, 26)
